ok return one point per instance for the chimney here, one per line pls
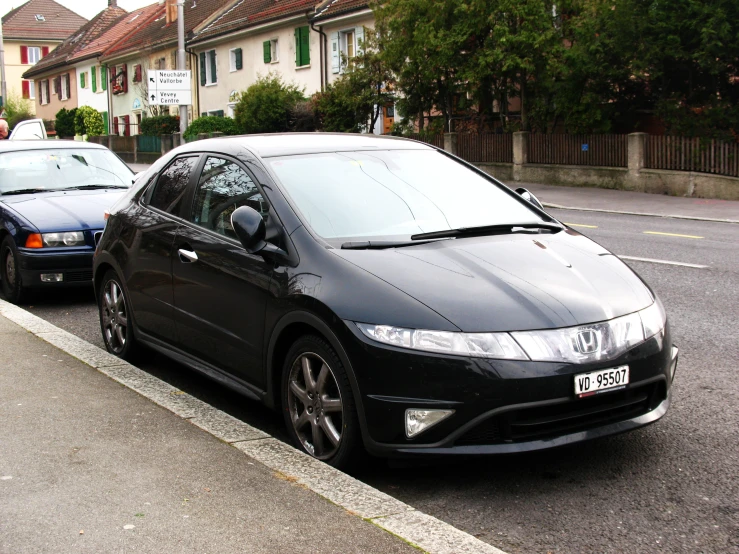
(171, 11)
(112, 3)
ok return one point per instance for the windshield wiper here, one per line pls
(380, 244)
(94, 187)
(487, 230)
(26, 191)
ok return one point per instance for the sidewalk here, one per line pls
(622, 201)
(87, 465)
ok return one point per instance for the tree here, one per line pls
(265, 106)
(88, 121)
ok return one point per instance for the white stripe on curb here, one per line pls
(420, 529)
(669, 216)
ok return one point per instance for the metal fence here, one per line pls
(595, 150)
(693, 154)
(485, 147)
(435, 140)
(149, 144)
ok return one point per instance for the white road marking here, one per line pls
(666, 262)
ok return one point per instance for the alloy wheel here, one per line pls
(114, 316)
(10, 268)
(316, 409)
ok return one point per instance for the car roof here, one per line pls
(290, 144)
(21, 145)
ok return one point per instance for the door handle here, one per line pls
(187, 256)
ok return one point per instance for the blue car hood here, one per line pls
(64, 211)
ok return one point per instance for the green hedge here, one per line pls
(65, 122)
(211, 124)
(160, 125)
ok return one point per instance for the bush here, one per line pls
(17, 109)
(265, 106)
(65, 122)
(303, 117)
(160, 125)
(340, 109)
(88, 121)
(211, 124)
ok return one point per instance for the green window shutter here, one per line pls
(213, 75)
(267, 46)
(105, 122)
(219, 113)
(104, 77)
(82, 80)
(239, 59)
(297, 47)
(94, 78)
(202, 69)
(304, 46)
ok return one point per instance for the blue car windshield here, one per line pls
(62, 168)
(393, 194)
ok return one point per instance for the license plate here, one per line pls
(595, 382)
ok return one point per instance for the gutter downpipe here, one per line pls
(195, 63)
(322, 55)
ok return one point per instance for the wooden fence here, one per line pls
(434, 140)
(693, 154)
(485, 147)
(598, 150)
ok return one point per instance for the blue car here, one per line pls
(53, 198)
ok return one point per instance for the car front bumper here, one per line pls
(75, 267)
(500, 406)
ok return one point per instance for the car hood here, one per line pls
(64, 211)
(512, 282)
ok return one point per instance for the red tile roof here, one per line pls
(332, 8)
(57, 24)
(157, 33)
(67, 50)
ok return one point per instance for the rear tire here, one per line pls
(116, 322)
(11, 271)
(318, 404)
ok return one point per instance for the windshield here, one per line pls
(393, 194)
(61, 168)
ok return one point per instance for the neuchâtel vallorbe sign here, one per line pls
(169, 88)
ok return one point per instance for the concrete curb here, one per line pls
(690, 217)
(417, 528)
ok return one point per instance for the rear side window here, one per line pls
(223, 187)
(169, 190)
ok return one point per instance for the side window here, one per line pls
(223, 187)
(172, 184)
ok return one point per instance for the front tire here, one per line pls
(115, 319)
(11, 271)
(318, 403)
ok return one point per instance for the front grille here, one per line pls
(78, 276)
(547, 421)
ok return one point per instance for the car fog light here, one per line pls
(52, 277)
(417, 421)
(673, 364)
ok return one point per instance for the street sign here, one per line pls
(169, 87)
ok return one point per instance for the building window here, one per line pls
(65, 86)
(302, 46)
(208, 72)
(30, 55)
(137, 73)
(44, 92)
(28, 90)
(271, 55)
(161, 63)
(119, 79)
(236, 59)
(345, 45)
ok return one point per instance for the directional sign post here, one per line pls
(169, 88)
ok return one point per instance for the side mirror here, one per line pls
(529, 197)
(249, 226)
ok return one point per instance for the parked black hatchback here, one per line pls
(381, 293)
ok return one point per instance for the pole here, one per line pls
(181, 65)
(3, 87)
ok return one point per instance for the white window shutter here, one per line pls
(359, 34)
(335, 58)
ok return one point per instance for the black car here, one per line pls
(380, 292)
(53, 197)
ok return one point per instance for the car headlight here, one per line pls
(581, 344)
(69, 238)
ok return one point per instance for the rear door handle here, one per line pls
(187, 256)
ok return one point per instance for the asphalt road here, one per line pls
(671, 487)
